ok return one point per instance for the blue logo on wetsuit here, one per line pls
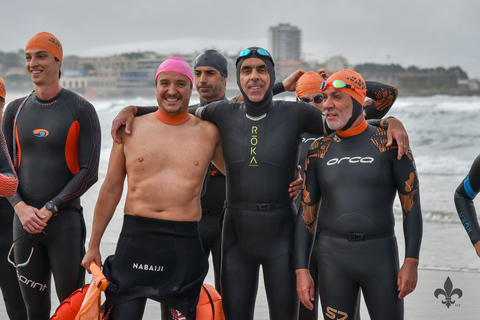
(40, 133)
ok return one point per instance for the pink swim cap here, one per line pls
(175, 64)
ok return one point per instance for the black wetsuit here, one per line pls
(260, 160)
(382, 97)
(57, 152)
(137, 273)
(212, 200)
(464, 195)
(356, 179)
(8, 277)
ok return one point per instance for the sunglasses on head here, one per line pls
(316, 99)
(338, 84)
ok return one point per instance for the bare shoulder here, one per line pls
(209, 127)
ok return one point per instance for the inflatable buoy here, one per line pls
(69, 308)
(209, 305)
(84, 303)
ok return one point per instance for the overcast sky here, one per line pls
(423, 33)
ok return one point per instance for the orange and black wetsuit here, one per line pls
(464, 195)
(57, 153)
(382, 96)
(8, 277)
(355, 179)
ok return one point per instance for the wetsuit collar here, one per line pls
(50, 101)
(174, 120)
(354, 131)
(204, 103)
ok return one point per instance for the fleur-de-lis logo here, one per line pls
(448, 292)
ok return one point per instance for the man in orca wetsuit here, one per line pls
(464, 196)
(159, 254)
(8, 185)
(382, 97)
(355, 175)
(56, 153)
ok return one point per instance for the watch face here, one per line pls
(49, 206)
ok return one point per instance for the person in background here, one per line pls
(8, 185)
(464, 196)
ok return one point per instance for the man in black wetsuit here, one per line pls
(351, 178)
(56, 154)
(381, 96)
(464, 196)
(8, 277)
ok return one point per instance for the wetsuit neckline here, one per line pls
(353, 131)
(50, 101)
(204, 103)
(174, 120)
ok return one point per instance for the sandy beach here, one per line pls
(421, 304)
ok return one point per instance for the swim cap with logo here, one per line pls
(351, 78)
(212, 58)
(3, 88)
(175, 64)
(309, 82)
(48, 42)
(357, 91)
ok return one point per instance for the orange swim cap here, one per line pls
(48, 42)
(3, 89)
(310, 82)
(353, 79)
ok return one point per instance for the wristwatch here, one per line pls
(51, 206)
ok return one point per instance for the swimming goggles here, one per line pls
(316, 99)
(248, 52)
(245, 53)
(339, 84)
(23, 264)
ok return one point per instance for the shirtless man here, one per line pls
(159, 254)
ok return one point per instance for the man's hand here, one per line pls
(290, 83)
(47, 213)
(305, 288)
(325, 73)
(93, 254)
(397, 132)
(407, 277)
(31, 218)
(477, 248)
(124, 118)
(296, 186)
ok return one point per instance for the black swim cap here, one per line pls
(212, 58)
(261, 107)
(254, 52)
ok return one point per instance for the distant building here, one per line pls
(285, 42)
